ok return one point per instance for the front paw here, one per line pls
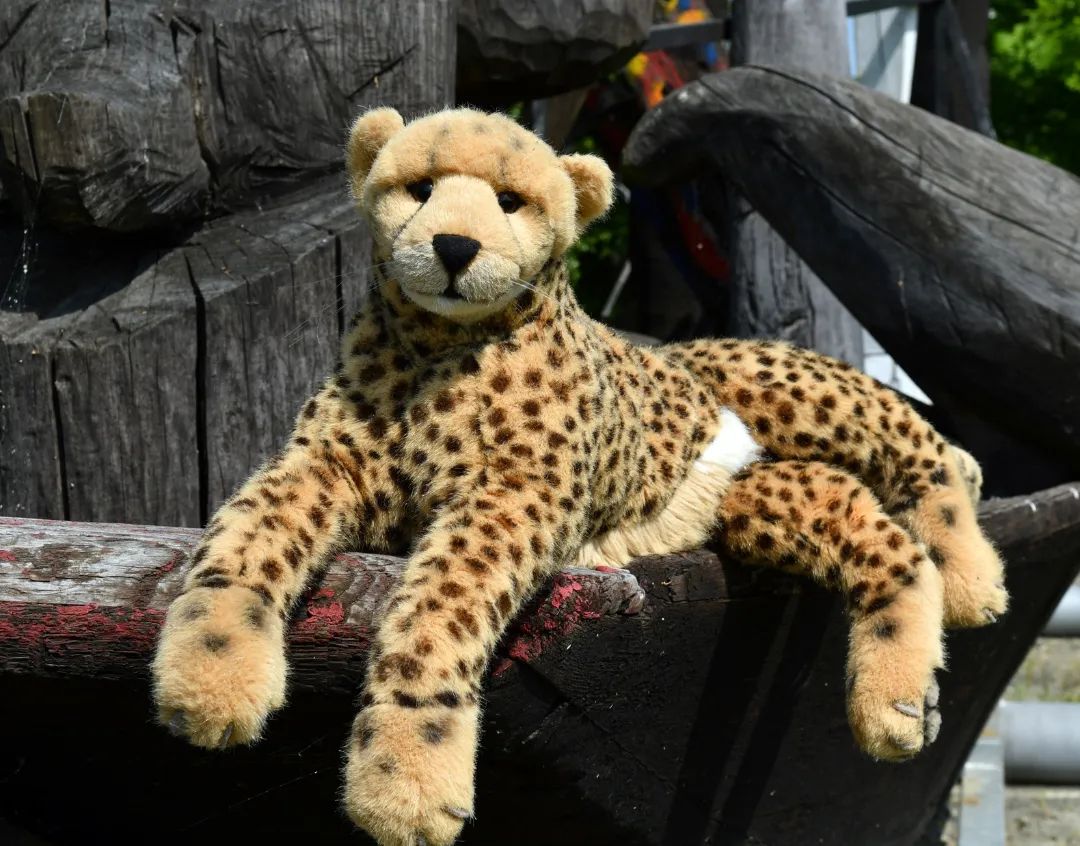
(220, 667)
(409, 773)
(974, 589)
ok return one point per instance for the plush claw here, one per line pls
(906, 745)
(421, 840)
(933, 694)
(178, 724)
(906, 708)
(991, 617)
(459, 813)
(932, 726)
(225, 737)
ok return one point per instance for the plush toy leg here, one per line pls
(811, 519)
(411, 758)
(944, 519)
(220, 667)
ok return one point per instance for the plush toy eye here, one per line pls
(510, 202)
(420, 190)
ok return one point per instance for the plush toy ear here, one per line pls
(368, 135)
(593, 184)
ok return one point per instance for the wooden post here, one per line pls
(774, 293)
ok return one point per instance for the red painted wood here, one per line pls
(88, 599)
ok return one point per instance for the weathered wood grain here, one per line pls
(134, 114)
(155, 401)
(88, 599)
(714, 715)
(123, 374)
(30, 465)
(960, 255)
(508, 51)
(774, 293)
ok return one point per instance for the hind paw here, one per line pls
(893, 724)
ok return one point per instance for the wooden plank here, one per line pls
(952, 68)
(152, 403)
(133, 115)
(774, 293)
(268, 282)
(89, 598)
(124, 377)
(959, 254)
(702, 719)
(28, 434)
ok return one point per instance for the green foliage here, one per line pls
(1035, 77)
(595, 260)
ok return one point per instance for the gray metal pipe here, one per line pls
(1042, 742)
(1065, 621)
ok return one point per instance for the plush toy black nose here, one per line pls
(455, 251)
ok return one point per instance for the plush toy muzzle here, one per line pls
(467, 208)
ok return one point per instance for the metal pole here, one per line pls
(982, 790)
(1042, 741)
(1066, 619)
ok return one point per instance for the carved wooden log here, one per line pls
(702, 719)
(508, 51)
(774, 294)
(133, 114)
(154, 402)
(959, 254)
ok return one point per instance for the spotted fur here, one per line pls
(482, 424)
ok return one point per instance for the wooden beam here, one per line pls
(88, 599)
(134, 116)
(774, 293)
(703, 718)
(959, 254)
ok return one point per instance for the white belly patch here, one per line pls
(732, 448)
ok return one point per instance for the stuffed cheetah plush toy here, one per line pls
(479, 415)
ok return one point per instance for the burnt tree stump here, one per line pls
(715, 714)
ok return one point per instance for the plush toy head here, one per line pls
(466, 208)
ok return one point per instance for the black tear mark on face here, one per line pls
(215, 642)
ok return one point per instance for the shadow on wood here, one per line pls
(714, 715)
